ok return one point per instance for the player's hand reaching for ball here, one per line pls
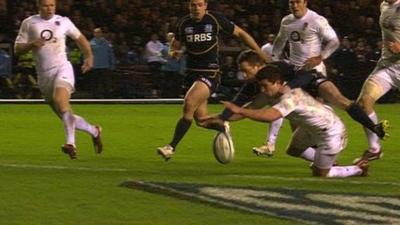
(232, 107)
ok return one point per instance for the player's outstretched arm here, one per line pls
(84, 46)
(265, 115)
(249, 41)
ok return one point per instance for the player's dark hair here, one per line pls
(249, 56)
(272, 73)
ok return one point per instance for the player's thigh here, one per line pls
(65, 78)
(329, 92)
(374, 88)
(198, 93)
(300, 141)
(330, 146)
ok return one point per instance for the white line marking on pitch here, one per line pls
(63, 167)
(316, 180)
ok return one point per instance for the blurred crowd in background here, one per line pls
(129, 39)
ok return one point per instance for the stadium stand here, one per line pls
(128, 25)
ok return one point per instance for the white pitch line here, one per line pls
(32, 166)
(316, 180)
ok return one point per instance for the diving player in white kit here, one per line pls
(319, 131)
(45, 34)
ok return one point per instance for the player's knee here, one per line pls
(294, 152)
(318, 172)
(199, 122)
(61, 105)
(189, 105)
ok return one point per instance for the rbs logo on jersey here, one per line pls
(198, 37)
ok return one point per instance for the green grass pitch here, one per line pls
(41, 186)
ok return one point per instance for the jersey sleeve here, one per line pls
(72, 31)
(279, 42)
(287, 104)
(325, 30)
(22, 37)
(225, 25)
(179, 31)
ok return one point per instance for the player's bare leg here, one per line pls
(197, 95)
(367, 99)
(61, 104)
(81, 124)
(329, 92)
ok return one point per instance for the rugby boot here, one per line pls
(264, 150)
(166, 152)
(98, 145)
(368, 156)
(69, 150)
(381, 129)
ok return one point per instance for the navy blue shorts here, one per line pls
(211, 79)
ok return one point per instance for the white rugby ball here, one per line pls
(223, 148)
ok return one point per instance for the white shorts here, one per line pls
(321, 68)
(60, 76)
(329, 143)
(386, 78)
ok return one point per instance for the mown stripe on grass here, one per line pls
(33, 166)
(315, 180)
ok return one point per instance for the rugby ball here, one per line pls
(223, 148)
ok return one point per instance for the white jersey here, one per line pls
(54, 31)
(267, 49)
(309, 114)
(389, 22)
(305, 36)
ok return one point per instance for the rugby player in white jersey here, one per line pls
(45, 34)
(386, 74)
(311, 40)
(319, 130)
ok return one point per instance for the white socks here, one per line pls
(344, 171)
(308, 154)
(82, 125)
(373, 139)
(69, 127)
(274, 128)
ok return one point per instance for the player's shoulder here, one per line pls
(295, 94)
(288, 19)
(61, 18)
(314, 16)
(31, 19)
(215, 13)
(184, 19)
